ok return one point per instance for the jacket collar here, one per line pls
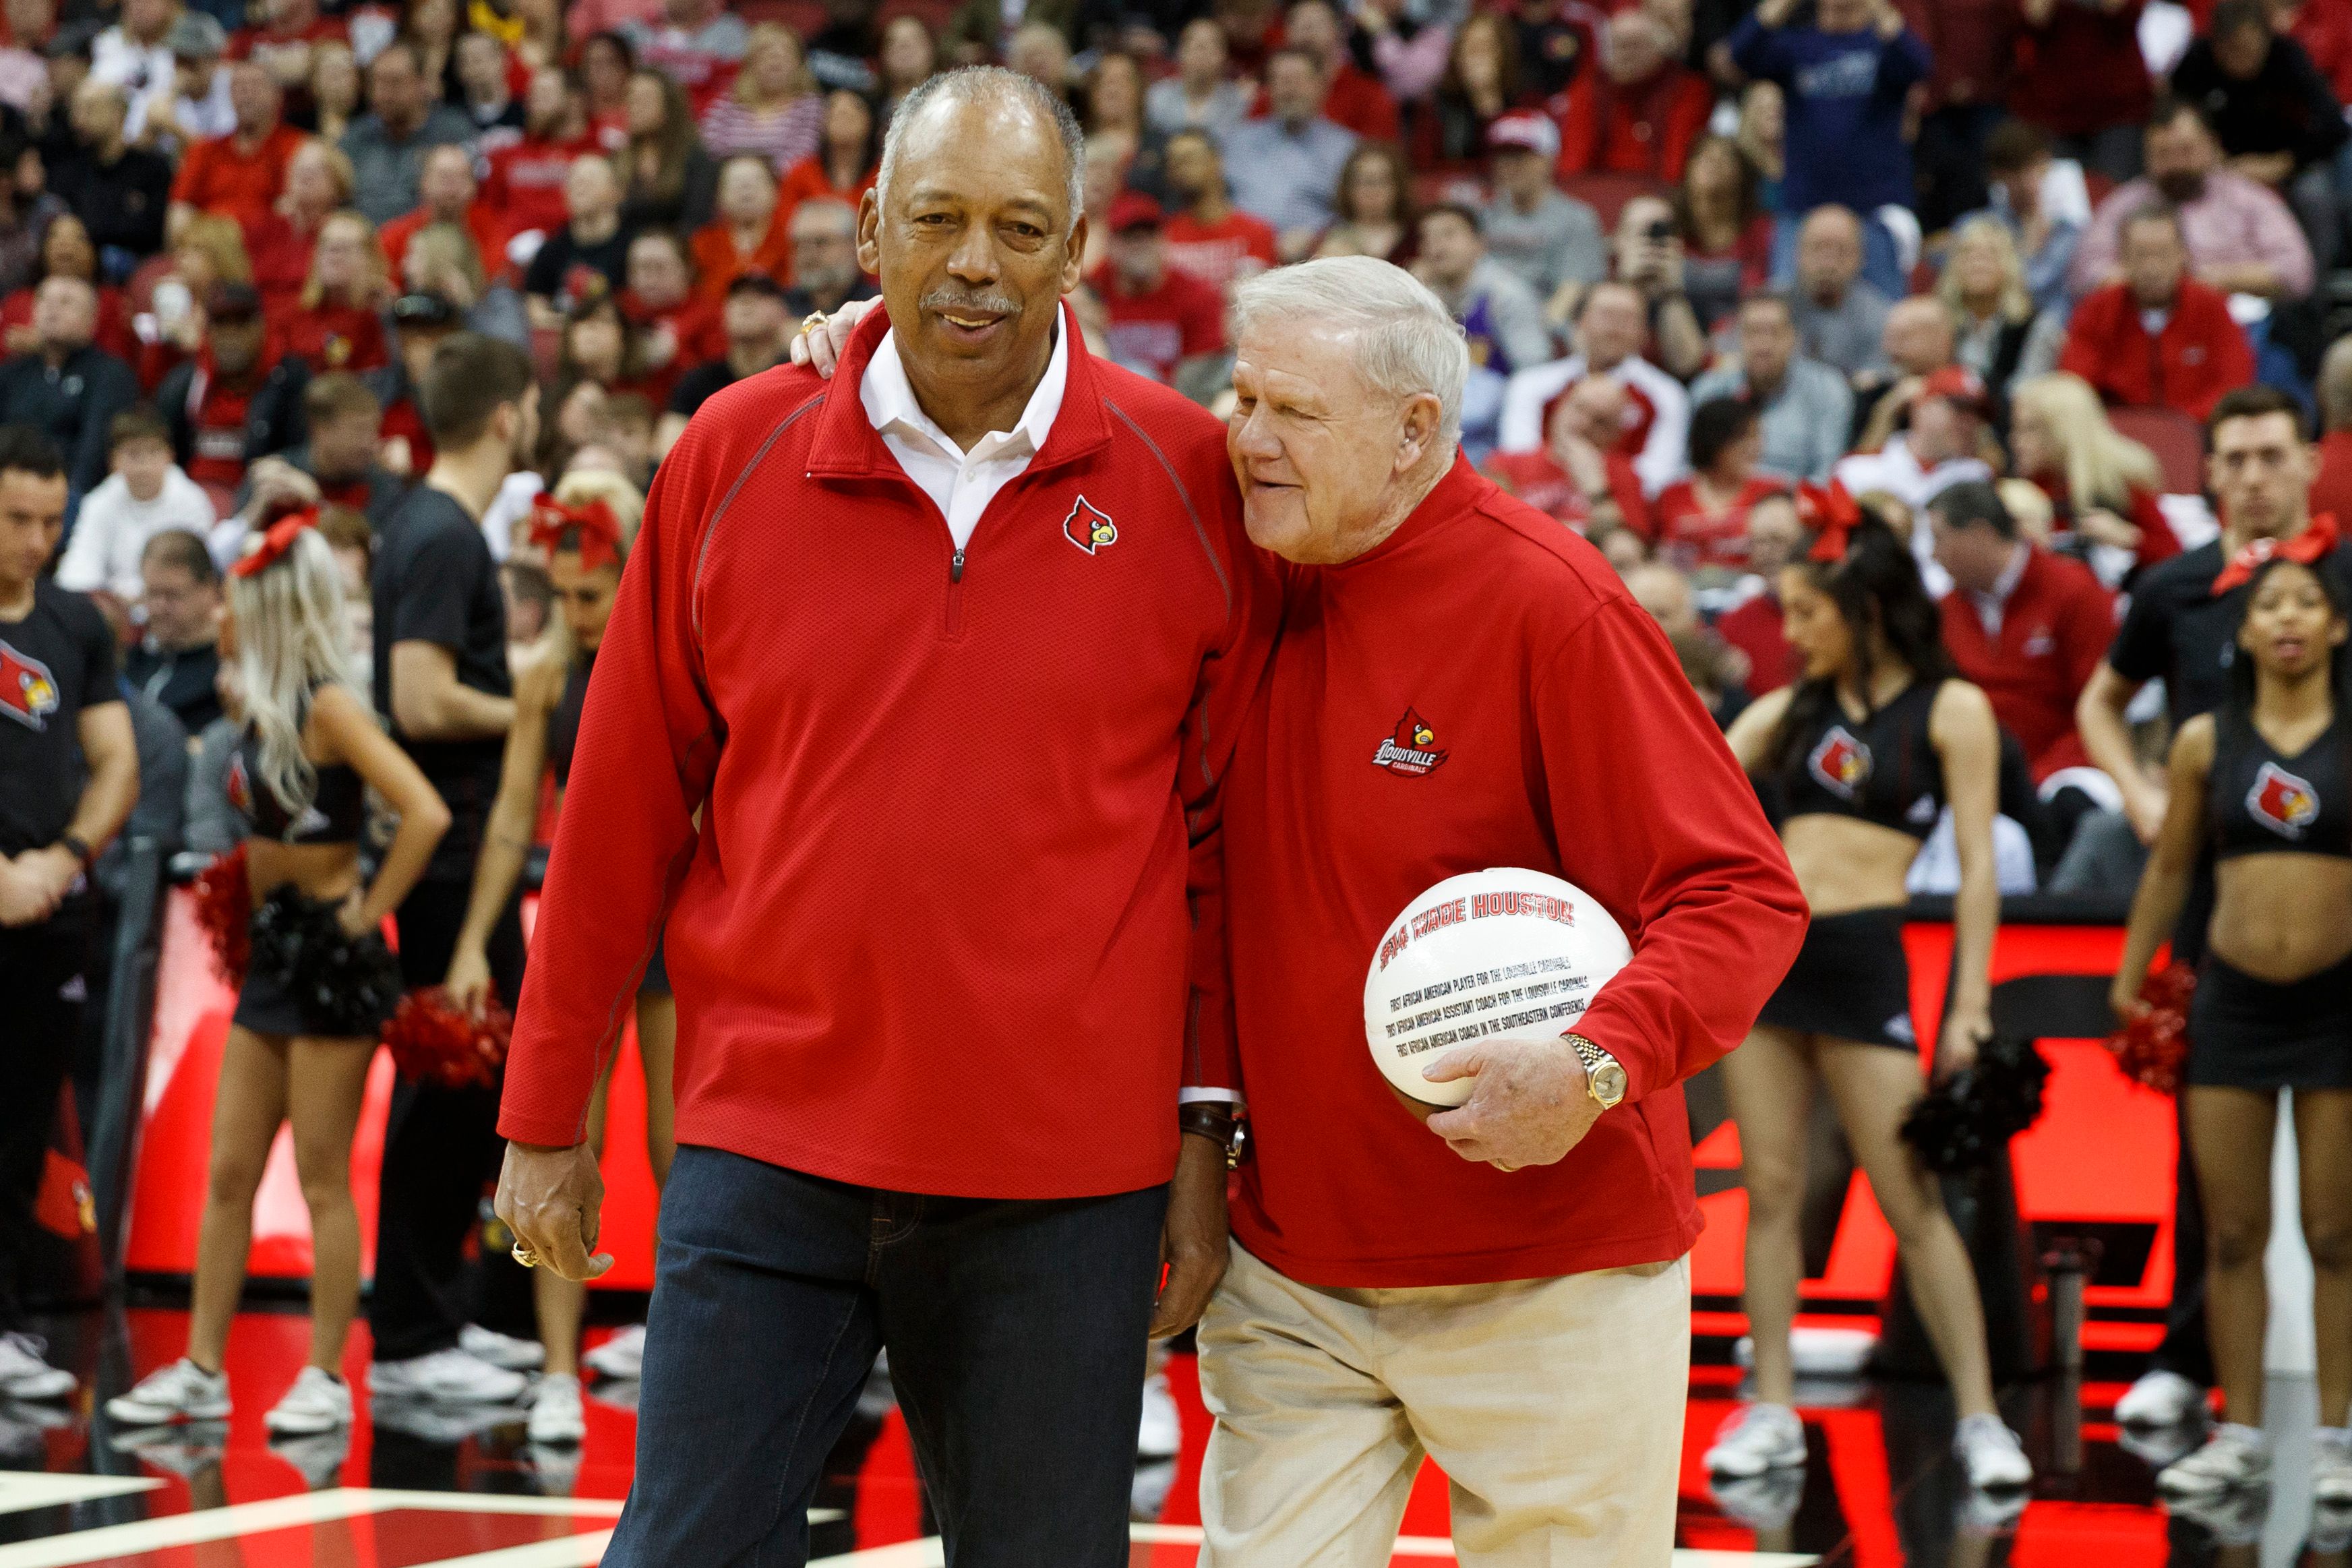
(847, 446)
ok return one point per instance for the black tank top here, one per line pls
(2263, 803)
(1883, 770)
(337, 813)
(564, 718)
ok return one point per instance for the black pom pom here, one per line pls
(1963, 1122)
(344, 986)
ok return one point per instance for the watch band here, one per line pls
(1594, 1059)
(74, 846)
(1214, 1121)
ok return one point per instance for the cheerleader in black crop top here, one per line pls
(1862, 755)
(319, 980)
(2266, 782)
(584, 530)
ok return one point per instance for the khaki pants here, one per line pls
(1555, 1407)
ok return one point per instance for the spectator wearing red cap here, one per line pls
(2159, 339)
(1163, 324)
(2026, 625)
(1640, 113)
(748, 234)
(1578, 476)
(1208, 236)
(1948, 415)
(1551, 240)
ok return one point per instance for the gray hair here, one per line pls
(974, 84)
(1407, 343)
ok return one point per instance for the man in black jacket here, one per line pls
(119, 191)
(65, 387)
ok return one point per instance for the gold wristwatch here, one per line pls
(1605, 1076)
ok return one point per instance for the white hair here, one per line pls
(1407, 343)
(973, 84)
(292, 631)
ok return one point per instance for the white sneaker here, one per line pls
(501, 1350)
(622, 1357)
(556, 1414)
(2160, 1399)
(2234, 1458)
(2331, 1468)
(1755, 1439)
(1161, 1435)
(451, 1375)
(317, 1403)
(24, 1374)
(180, 1392)
(1990, 1453)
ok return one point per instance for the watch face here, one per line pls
(1609, 1083)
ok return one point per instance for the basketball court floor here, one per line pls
(448, 1490)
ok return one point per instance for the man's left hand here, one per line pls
(53, 870)
(1193, 1240)
(1529, 1106)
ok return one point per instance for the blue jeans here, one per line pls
(1016, 1332)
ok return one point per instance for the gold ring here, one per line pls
(812, 321)
(524, 1255)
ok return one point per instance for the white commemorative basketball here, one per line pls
(1498, 954)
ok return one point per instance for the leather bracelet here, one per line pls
(1208, 1119)
(75, 848)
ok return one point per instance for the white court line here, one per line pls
(927, 1552)
(564, 1552)
(23, 1489)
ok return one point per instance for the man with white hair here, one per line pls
(1510, 1283)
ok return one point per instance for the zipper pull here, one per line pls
(955, 567)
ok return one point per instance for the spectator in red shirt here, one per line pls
(1352, 98)
(2331, 492)
(1640, 113)
(2101, 486)
(447, 194)
(233, 402)
(318, 186)
(1163, 324)
(67, 252)
(2159, 339)
(1582, 476)
(244, 173)
(680, 327)
(2025, 625)
(749, 233)
(848, 151)
(1754, 625)
(1208, 238)
(524, 186)
(339, 325)
(1701, 523)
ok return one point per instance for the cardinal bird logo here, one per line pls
(1090, 527)
(238, 785)
(28, 694)
(1411, 750)
(2282, 801)
(1841, 763)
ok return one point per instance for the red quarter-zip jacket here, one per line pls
(1563, 737)
(933, 935)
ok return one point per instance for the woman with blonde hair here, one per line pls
(775, 111)
(583, 532)
(341, 324)
(337, 90)
(1996, 330)
(2102, 485)
(319, 982)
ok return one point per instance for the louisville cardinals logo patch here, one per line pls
(1411, 750)
(1841, 763)
(2282, 801)
(1090, 527)
(28, 694)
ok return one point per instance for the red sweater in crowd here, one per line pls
(2082, 70)
(1758, 627)
(2055, 629)
(1637, 128)
(2201, 354)
(933, 933)
(2331, 492)
(1566, 741)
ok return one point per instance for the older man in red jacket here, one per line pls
(949, 656)
(2159, 339)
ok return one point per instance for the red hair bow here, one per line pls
(599, 530)
(2307, 548)
(1833, 514)
(276, 540)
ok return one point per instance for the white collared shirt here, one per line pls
(961, 483)
(1991, 606)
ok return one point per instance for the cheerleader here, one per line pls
(1866, 749)
(2266, 781)
(585, 531)
(320, 982)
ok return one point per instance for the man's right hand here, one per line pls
(553, 1199)
(822, 348)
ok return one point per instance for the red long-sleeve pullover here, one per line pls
(1544, 722)
(933, 934)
